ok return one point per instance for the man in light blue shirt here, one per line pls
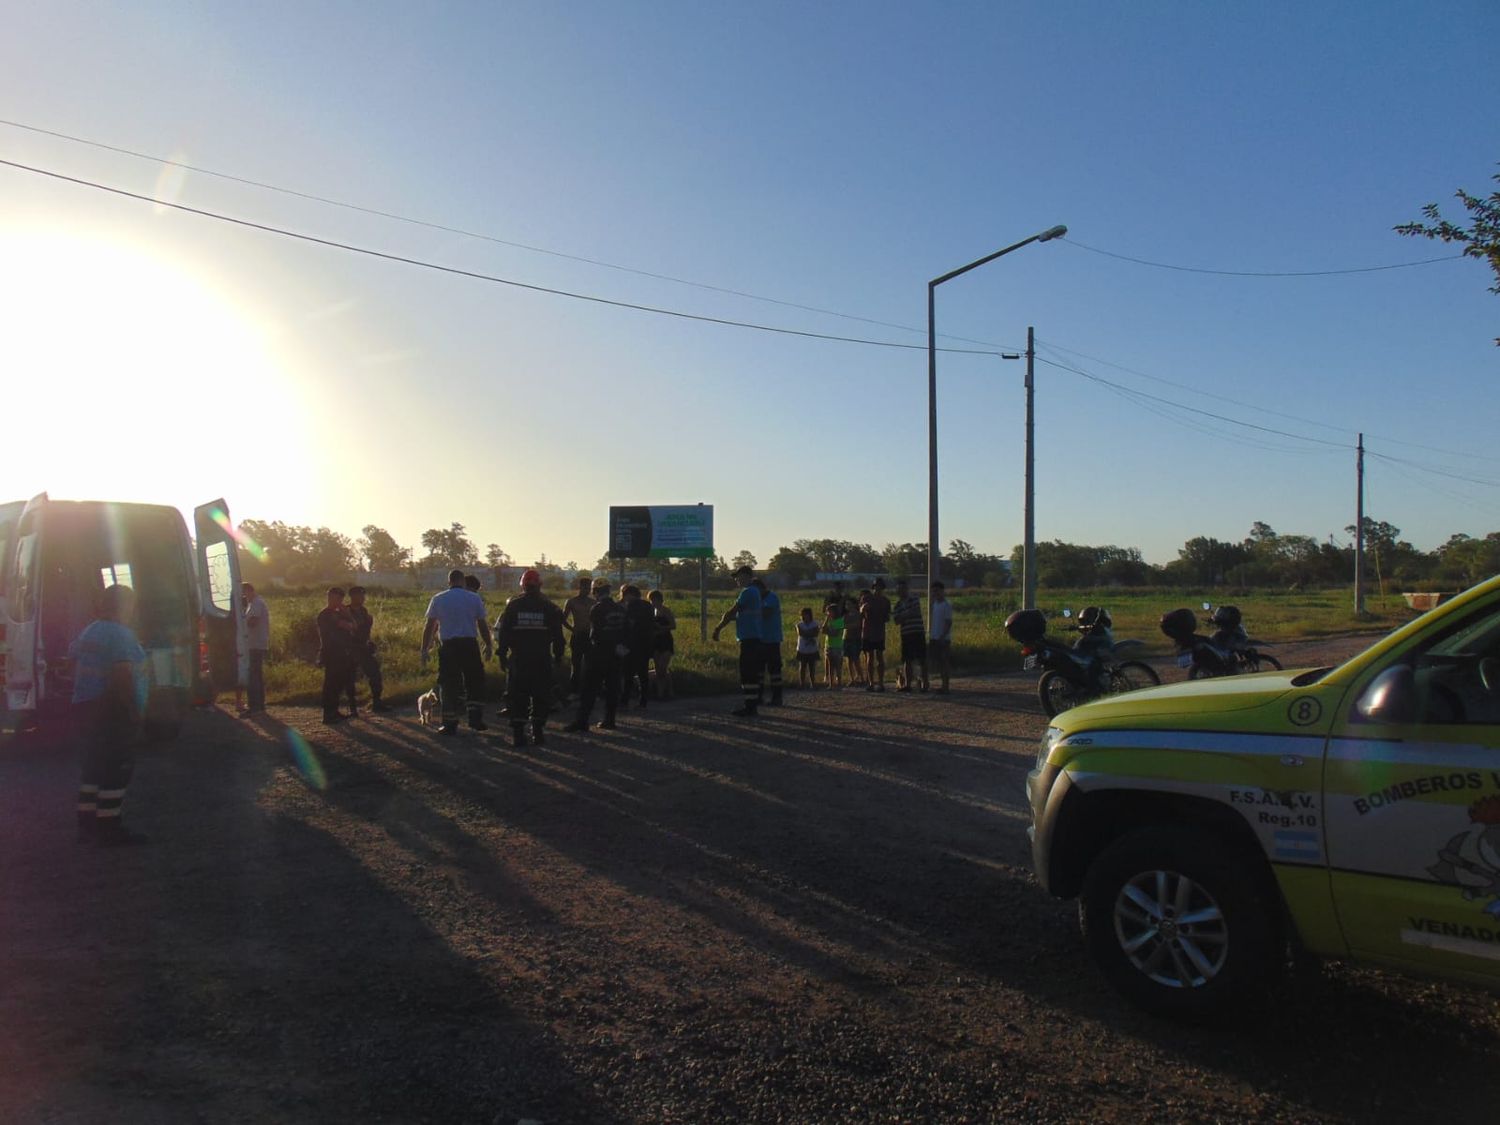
(770, 638)
(457, 616)
(109, 696)
(746, 615)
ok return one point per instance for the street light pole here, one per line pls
(933, 551)
(1028, 549)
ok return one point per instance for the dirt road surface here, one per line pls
(823, 915)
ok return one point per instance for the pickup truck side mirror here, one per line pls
(1390, 697)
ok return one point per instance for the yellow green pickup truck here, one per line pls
(1353, 812)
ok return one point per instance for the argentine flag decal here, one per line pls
(1298, 844)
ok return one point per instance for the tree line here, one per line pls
(1264, 557)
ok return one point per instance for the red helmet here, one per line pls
(530, 577)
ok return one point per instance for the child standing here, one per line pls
(833, 647)
(807, 649)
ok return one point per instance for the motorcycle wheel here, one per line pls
(1057, 693)
(1131, 675)
(1261, 662)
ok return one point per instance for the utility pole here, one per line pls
(1359, 527)
(1028, 549)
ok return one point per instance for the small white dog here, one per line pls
(427, 708)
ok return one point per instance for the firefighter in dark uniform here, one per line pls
(365, 659)
(529, 631)
(336, 654)
(640, 620)
(609, 643)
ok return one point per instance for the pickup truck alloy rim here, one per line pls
(1171, 929)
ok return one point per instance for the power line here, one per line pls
(1435, 471)
(1195, 390)
(1260, 273)
(1262, 409)
(446, 229)
(1191, 409)
(475, 275)
(1430, 486)
(1137, 396)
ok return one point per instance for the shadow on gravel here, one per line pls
(868, 855)
(1354, 1044)
(239, 966)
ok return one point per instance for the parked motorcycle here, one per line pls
(1091, 668)
(1228, 651)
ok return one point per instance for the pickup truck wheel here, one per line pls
(1178, 923)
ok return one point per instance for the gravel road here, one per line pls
(824, 915)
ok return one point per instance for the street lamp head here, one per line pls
(1056, 232)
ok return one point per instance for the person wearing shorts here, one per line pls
(876, 611)
(907, 614)
(807, 649)
(940, 636)
(833, 644)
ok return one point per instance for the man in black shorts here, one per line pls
(876, 611)
(907, 614)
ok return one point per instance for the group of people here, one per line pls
(619, 650)
(345, 650)
(615, 645)
(852, 633)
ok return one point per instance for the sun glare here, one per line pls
(127, 377)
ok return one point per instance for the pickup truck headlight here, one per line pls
(1049, 740)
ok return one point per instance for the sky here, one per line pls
(1213, 333)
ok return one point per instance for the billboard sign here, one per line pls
(662, 532)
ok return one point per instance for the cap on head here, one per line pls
(529, 577)
(744, 572)
(600, 586)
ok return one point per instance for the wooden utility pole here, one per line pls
(1359, 527)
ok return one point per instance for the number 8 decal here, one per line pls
(1305, 711)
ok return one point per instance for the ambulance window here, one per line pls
(220, 586)
(25, 577)
(116, 574)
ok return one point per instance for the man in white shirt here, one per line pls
(457, 616)
(940, 635)
(258, 638)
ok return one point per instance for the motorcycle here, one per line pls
(1229, 651)
(1088, 670)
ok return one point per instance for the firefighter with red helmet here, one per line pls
(529, 644)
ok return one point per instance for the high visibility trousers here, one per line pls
(771, 657)
(107, 734)
(752, 664)
(461, 676)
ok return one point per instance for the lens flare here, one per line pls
(221, 517)
(306, 761)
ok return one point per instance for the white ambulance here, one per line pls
(57, 557)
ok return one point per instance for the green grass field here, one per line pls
(704, 667)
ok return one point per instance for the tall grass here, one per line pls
(705, 667)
